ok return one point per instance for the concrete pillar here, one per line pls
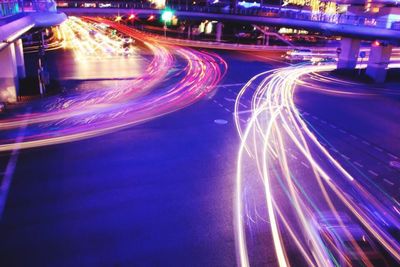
(19, 55)
(379, 58)
(8, 75)
(349, 53)
(218, 32)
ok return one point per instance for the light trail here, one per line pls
(156, 92)
(296, 194)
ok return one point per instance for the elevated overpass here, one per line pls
(341, 25)
(383, 26)
(13, 24)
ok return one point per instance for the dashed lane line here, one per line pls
(345, 157)
(9, 172)
(388, 181)
(305, 164)
(358, 164)
(366, 142)
(373, 173)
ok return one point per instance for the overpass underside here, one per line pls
(11, 48)
(347, 30)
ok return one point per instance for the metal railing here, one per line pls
(12, 7)
(39, 6)
(264, 11)
(9, 8)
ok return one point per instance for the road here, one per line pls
(155, 186)
(315, 169)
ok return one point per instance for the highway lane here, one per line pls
(103, 110)
(161, 193)
(304, 174)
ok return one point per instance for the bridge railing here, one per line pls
(264, 11)
(9, 8)
(39, 6)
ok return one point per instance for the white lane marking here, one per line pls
(305, 164)
(243, 105)
(358, 164)
(229, 99)
(373, 173)
(394, 164)
(342, 131)
(230, 85)
(388, 181)
(393, 156)
(353, 136)
(220, 121)
(345, 157)
(333, 126)
(9, 172)
(378, 148)
(235, 93)
(245, 111)
(227, 109)
(366, 143)
(293, 156)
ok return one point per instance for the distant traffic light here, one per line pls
(167, 15)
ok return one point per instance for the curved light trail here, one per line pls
(304, 185)
(158, 91)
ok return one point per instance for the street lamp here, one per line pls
(166, 17)
(118, 18)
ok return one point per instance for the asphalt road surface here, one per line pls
(161, 193)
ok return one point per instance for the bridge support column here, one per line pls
(349, 53)
(8, 75)
(378, 62)
(19, 55)
(218, 32)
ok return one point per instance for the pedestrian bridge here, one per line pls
(364, 27)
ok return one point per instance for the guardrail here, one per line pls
(12, 7)
(9, 8)
(264, 11)
(39, 6)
